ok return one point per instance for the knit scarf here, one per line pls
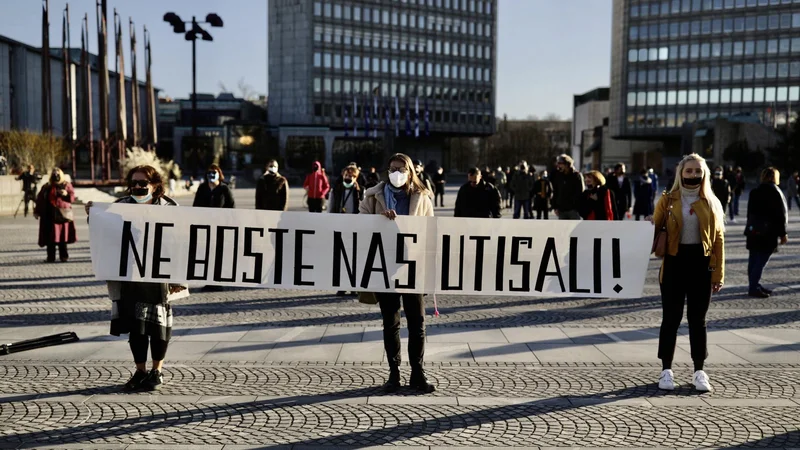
(388, 193)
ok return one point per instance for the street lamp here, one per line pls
(179, 26)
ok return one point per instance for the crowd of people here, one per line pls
(691, 211)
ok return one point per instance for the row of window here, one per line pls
(733, 72)
(665, 8)
(402, 67)
(715, 96)
(782, 46)
(716, 50)
(410, 44)
(673, 119)
(394, 18)
(326, 110)
(359, 87)
(705, 27)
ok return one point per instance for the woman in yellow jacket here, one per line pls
(404, 195)
(694, 265)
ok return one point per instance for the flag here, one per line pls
(408, 119)
(66, 85)
(122, 110)
(366, 118)
(375, 119)
(47, 101)
(346, 121)
(386, 116)
(427, 119)
(86, 73)
(416, 118)
(152, 132)
(135, 103)
(355, 116)
(102, 54)
(396, 117)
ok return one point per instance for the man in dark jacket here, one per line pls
(620, 185)
(272, 190)
(767, 221)
(29, 180)
(721, 188)
(567, 189)
(477, 198)
(542, 195)
(439, 181)
(424, 177)
(737, 183)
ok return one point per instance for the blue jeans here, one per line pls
(734, 206)
(755, 268)
(525, 205)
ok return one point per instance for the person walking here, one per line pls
(654, 179)
(644, 191)
(346, 196)
(521, 185)
(721, 188)
(502, 181)
(510, 173)
(767, 221)
(317, 187)
(272, 189)
(693, 267)
(477, 197)
(423, 176)
(792, 194)
(567, 189)
(439, 182)
(29, 180)
(143, 310)
(597, 201)
(54, 212)
(542, 195)
(404, 195)
(620, 185)
(737, 183)
(214, 192)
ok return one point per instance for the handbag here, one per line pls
(367, 298)
(63, 215)
(660, 240)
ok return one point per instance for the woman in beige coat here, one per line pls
(404, 195)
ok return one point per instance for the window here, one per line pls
(692, 97)
(327, 13)
(747, 95)
(672, 98)
(403, 20)
(327, 60)
(774, 22)
(772, 46)
(337, 11)
(631, 99)
(758, 95)
(702, 96)
(348, 62)
(750, 23)
(356, 13)
(317, 59)
(317, 10)
(769, 94)
(748, 72)
(705, 50)
(737, 72)
(725, 95)
(783, 70)
(356, 63)
(738, 48)
(643, 54)
(784, 45)
(713, 96)
(783, 94)
(772, 70)
(682, 97)
(760, 71)
(641, 99)
(317, 85)
(663, 53)
(337, 61)
(716, 49)
(736, 95)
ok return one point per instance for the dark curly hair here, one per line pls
(152, 176)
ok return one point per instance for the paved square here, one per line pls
(254, 368)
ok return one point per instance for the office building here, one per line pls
(344, 68)
(677, 62)
(588, 111)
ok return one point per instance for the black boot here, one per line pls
(393, 384)
(419, 382)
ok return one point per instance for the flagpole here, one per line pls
(66, 103)
(102, 53)
(47, 103)
(122, 110)
(135, 106)
(87, 93)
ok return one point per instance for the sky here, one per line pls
(548, 50)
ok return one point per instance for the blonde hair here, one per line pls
(705, 187)
(60, 174)
(598, 177)
(352, 170)
(415, 185)
(771, 175)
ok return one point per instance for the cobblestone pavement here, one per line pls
(510, 371)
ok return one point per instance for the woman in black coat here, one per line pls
(643, 193)
(597, 201)
(767, 220)
(214, 193)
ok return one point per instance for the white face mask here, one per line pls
(143, 199)
(398, 179)
(272, 169)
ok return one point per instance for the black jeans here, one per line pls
(439, 198)
(414, 307)
(139, 344)
(686, 279)
(62, 251)
(30, 197)
(315, 205)
(756, 263)
(542, 213)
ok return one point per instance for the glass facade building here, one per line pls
(332, 61)
(679, 61)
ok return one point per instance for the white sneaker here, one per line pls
(701, 382)
(666, 381)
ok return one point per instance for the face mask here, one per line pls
(272, 169)
(212, 177)
(348, 183)
(141, 195)
(718, 174)
(523, 168)
(692, 182)
(398, 179)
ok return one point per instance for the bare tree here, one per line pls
(552, 117)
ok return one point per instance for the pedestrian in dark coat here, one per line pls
(767, 220)
(272, 190)
(721, 188)
(214, 193)
(477, 198)
(597, 202)
(620, 185)
(54, 211)
(644, 191)
(542, 195)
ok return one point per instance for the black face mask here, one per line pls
(692, 182)
(139, 191)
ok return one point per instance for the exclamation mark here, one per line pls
(616, 263)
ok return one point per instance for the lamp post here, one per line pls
(179, 26)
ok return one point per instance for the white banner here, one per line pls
(346, 252)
